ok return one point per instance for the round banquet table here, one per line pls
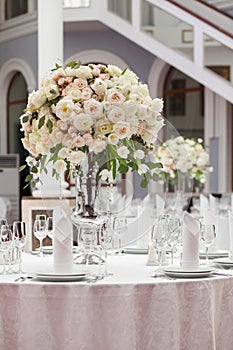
(129, 310)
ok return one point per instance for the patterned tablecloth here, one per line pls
(129, 310)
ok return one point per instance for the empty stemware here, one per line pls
(208, 235)
(40, 233)
(19, 235)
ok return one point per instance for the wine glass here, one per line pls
(208, 235)
(6, 245)
(105, 240)
(173, 235)
(160, 231)
(119, 228)
(19, 235)
(50, 227)
(40, 232)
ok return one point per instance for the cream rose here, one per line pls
(83, 122)
(65, 109)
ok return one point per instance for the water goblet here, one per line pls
(174, 235)
(40, 233)
(160, 231)
(19, 235)
(50, 227)
(105, 240)
(208, 235)
(119, 228)
(6, 246)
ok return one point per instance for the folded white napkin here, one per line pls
(191, 230)
(230, 218)
(62, 242)
(204, 204)
(144, 227)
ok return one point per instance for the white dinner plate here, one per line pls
(225, 262)
(135, 250)
(214, 255)
(59, 277)
(176, 271)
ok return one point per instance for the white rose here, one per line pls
(114, 70)
(97, 146)
(76, 157)
(74, 93)
(130, 108)
(103, 127)
(70, 72)
(116, 114)
(36, 99)
(82, 122)
(122, 130)
(99, 86)
(123, 152)
(63, 153)
(115, 97)
(51, 91)
(80, 83)
(86, 93)
(157, 105)
(65, 109)
(93, 107)
(42, 148)
(84, 72)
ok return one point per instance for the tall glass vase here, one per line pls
(86, 189)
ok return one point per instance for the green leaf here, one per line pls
(22, 167)
(49, 125)
(25, 119)
(41, 122)
(74, 64)
(123, 169)
(114, 168)
(144, 183)
(28, 178)
(34, 169)
(133, 165)
(57, 66)
(124, 71)
(152, 165)
(52, 91)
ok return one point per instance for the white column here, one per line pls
(50, 35)
(50, 52)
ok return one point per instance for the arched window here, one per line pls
(183, 100)
(16, 102)
(15, 8)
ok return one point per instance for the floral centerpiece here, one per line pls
(186, 156)
(95, 109)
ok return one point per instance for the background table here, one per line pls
(130, 310)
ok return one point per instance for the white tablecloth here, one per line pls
(127, 311)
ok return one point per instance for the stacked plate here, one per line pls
(180, 272)
(226, 263)
(214, 255)
(59, 277)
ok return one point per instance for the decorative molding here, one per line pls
(157, 76)
(101, 56)
(12, 33)
(7, 71)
